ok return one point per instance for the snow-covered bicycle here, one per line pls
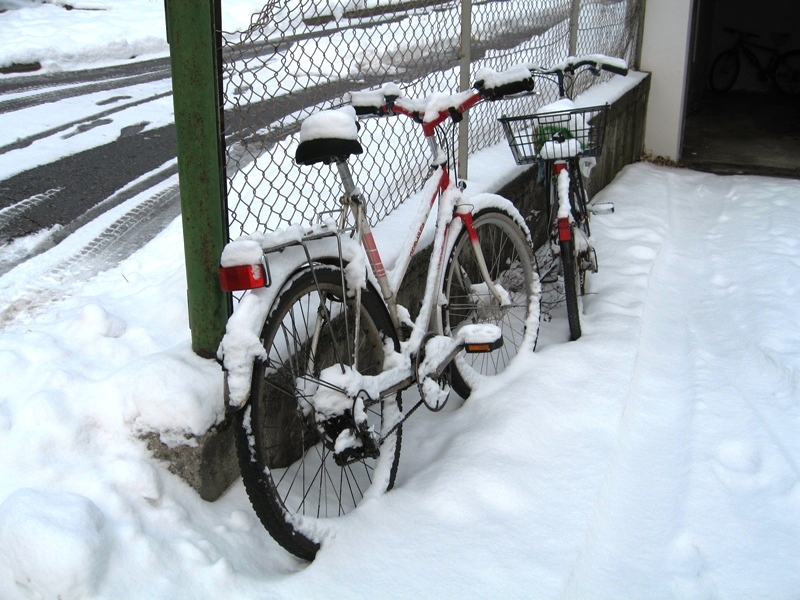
(318, 349)
(565, 140)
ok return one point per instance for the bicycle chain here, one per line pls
(401, 421)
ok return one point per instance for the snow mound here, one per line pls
(54, 543)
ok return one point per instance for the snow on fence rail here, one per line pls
(300, 56)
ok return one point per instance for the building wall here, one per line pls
(665, 54)
(670, 51)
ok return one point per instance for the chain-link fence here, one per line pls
(300, 56)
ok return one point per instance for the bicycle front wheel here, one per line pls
(787, 73)
(577, 253)
(572, 286)
(724, 71)
(287, 457)
(511, 265)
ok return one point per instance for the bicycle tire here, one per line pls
(290, 475)
(787, 73)
(724, 71)
(510, 261)
(570, 270)
(581, 233)
(579, 256)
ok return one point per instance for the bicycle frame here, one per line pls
(745, 48)
(390, 281)
(452, 216)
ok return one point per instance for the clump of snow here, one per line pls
(553, 150)
(340, 123)
(55, 543)
(374, 98)
(491, 78)
(243, 251)
(560, 105)
(166, 393)
(431, 105)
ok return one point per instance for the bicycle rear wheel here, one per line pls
(286, 457)
(724, 71)
(511, 264)
(787, 73)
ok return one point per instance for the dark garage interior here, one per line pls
(753, 127)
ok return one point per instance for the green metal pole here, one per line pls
(192, 32)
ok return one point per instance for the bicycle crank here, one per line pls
(437, 352)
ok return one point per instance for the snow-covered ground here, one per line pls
(656, 457)
(67, 34)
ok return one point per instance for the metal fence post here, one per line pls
(466, 60)
(574, 22)
(635, 14)
(192, 32)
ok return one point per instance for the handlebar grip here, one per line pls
(368, 111)
(492, 90)
(615, 69)
(375, 103)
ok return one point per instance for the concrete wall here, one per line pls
(665, 54)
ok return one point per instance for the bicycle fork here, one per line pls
(500, 294)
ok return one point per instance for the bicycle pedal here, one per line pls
(480, 337)
(601, 208)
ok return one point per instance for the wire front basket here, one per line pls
(556, 135)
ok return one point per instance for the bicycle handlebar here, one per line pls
(742, 34)
(490, 85)
(519, 79)
(430, 112)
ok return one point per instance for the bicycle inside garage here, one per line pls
(748, 124)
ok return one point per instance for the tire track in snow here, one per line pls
(641, 502)
(74, 90)
(116, 242)
(18, 210)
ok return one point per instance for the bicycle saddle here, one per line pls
(328, 136)
(326, 150)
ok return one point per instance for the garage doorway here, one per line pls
(753, 127)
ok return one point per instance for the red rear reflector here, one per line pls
(245, 277)
(564, 230)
